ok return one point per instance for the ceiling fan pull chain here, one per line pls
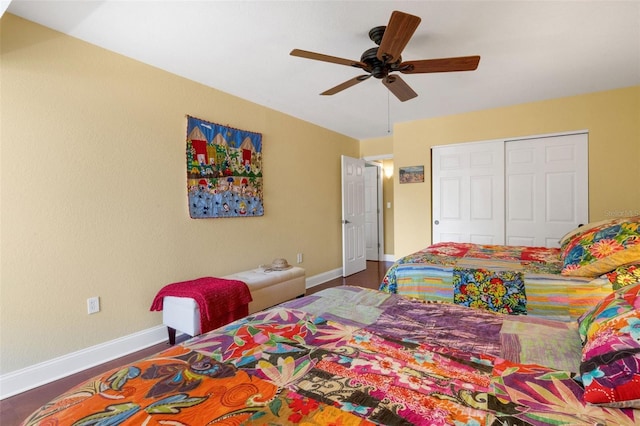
(388, 113)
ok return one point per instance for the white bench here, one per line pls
(268, 288)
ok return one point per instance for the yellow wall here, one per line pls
(93, 196)
(377, 147)
(388, 208)
(611, 117)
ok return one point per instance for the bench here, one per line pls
(268, 288)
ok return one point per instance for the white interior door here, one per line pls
(371, 212)
(547, 188)
(468, 193)
(353, 216)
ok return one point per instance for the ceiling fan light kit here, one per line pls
(385, 59)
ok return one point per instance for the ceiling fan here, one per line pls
(385, 59)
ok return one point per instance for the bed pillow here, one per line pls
(603, 248)
(498, 291)
(580, 230)
(624, 275)
(610, 363)
(615, 303)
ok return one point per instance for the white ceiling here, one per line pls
(530, 50)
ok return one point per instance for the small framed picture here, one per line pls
(413, 174)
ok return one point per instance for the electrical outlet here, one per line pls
(93, 305)
(299, 257)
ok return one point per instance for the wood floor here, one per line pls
(15, 409)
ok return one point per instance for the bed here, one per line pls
(508, 279)
(554, 283)
(355, 356)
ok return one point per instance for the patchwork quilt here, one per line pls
(351, 356)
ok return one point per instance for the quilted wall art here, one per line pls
(224, 171)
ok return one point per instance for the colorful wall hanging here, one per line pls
(224, 171)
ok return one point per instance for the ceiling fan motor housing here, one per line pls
(376, 33)
(379, 69)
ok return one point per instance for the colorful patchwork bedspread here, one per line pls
(507, 279)
(351, 356)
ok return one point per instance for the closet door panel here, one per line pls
(521, 197)
(547, 188)
(450, 198)
(560, 197)
(481, 198)
(468, 193)
(450, 207)
(483, 210)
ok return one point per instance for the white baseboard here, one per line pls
(323, 278)
(336, 273)
(48, 371)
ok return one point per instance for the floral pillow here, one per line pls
(566, 238)
(624, 275)
(610, 364)
(603, 248)
(498, 291)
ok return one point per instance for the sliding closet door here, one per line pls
(546, 187)
(468, 193)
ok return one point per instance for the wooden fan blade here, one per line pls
(396, 36)
(463, 63)
(399, 88)
(327, 58)
(340, 87)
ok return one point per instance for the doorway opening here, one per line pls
(379, 208)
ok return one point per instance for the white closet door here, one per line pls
(546, 187)
(468, 193)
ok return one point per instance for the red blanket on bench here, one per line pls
(221, 301)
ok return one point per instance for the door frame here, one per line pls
(379, 201)
(377, 160)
